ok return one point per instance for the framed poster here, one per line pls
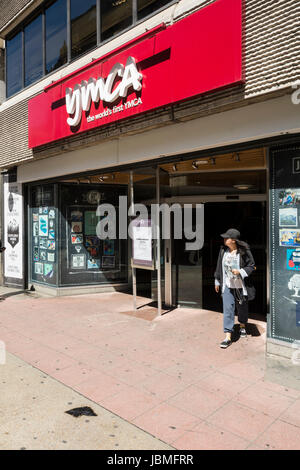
(108, 247)
(93, 264)
(90, 222)
(142, 252)
(288, 217)
(38, 268)
(289, 237)
(13, 230)
(76, 227)
(77, 239)
(78, 261)
(108, 261)
(43, 225)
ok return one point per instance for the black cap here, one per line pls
(232, 233)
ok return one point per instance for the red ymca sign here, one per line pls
(199, 54)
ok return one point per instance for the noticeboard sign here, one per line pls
(142, 246)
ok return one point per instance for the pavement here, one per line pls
(163, 381)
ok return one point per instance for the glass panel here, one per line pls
(56, 35)
(33, 51)
(186, 274)
(83, 26)
(146, 7)
(285, 245)
(116, 15)
(43, 218)
(14, 64)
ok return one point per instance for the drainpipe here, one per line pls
(2, 70)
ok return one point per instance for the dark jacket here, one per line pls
(246, 263)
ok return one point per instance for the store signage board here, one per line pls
(198, 54)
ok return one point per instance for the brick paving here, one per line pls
(165, 375)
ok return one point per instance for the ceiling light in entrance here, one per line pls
(199, 162)
(243, 187)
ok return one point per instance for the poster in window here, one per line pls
(93, 251)
(92, 240)
(44, 243)
(43, 256)
(35, 230)
(51, 245)
(90, 222)
(76, 216)
(38, 268)
(13, 229)
(288, 217)
(51, 257)
(36, 253)
(289, 237)
(108, 247)
(289, 197)
(76, 227)
(93, 263)
(76, 239)
(43, 225)
(48, 270)
(108, 261)
(52, 234)
(52, 214)
(78, 261)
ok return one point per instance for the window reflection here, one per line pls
(33, 51)
(14, 64)
(146, 7)
(56, 35)
(116, 15)
(83, 26)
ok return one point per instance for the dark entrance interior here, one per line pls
(250, 219)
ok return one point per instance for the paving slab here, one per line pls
(165, 376)
(33, 416)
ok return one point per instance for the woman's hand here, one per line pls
(217, 289)
(236, 272)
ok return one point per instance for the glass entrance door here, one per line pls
(182, 273)
(189, 275)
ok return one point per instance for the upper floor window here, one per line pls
(56, 35)
(65, 29)
(33, 42)
(116, 16)
(14, 53)
(83, 26)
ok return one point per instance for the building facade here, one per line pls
(193, 102)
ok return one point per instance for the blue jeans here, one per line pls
(230, 305)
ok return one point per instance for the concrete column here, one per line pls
(2, 71)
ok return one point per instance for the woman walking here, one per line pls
(235, 265)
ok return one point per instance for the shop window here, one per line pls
(86, 259)
(33, 41)
(146, 7)
(83, 26)
(14, 61)
(56, 35)
(116, 15)
(43, 217)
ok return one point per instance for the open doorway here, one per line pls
(249, 217)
